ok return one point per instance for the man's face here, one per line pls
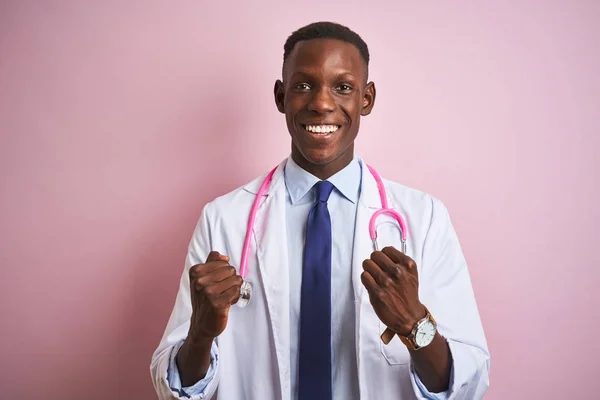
(323, 95)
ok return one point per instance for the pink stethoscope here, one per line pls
(246, 290)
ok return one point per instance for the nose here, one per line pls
(322, 101)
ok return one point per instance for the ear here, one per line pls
(368, 99)
(279, 96)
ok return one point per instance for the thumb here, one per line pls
(216, 256)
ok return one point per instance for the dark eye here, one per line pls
(302, 86)
(344, 88)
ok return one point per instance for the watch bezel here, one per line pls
(419, 325)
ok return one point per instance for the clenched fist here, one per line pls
(392, 281)
(215, 287)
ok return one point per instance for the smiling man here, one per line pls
(330, 315)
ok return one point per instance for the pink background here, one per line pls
(120, 120)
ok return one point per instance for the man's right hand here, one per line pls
(215, 287)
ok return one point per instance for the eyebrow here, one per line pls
(309, 75)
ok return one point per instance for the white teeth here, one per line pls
(321, 128)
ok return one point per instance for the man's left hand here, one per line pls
(392, 280)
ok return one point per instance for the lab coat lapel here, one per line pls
(271, 238)
(369, 202)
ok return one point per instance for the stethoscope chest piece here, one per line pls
(245, 294)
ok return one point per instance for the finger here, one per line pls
(219, 288)
(394, 254)
(388, 266)
(368, 281)
(399, 257)
(201, 270)
(215, 276)
(230, 296)
(375, 271)
(216, 256)
(375, 291)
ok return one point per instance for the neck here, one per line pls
(326, 170)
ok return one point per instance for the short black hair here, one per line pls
(326, 30)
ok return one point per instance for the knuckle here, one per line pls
(198, 282)
(379, 293)
(395, 271)
(387, 282)
(210, 291)
(193, 270)
(199, 285)
(231, 270)
(389, 251)
(411, 264)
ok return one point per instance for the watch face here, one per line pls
(425, 334)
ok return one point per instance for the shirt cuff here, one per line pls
(428, 395)
(199, 388)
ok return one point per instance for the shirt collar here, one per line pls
(299, 182)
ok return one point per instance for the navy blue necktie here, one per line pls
(315, 303)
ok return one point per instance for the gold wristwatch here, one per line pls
(421, 335)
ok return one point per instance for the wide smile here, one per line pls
(321, 131)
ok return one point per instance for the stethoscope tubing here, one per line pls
(246, 290)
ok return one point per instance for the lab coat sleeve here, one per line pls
(199, 388)
(445, 288)
(179, 321)
(426, 393)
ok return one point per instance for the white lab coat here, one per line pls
(254, 356)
